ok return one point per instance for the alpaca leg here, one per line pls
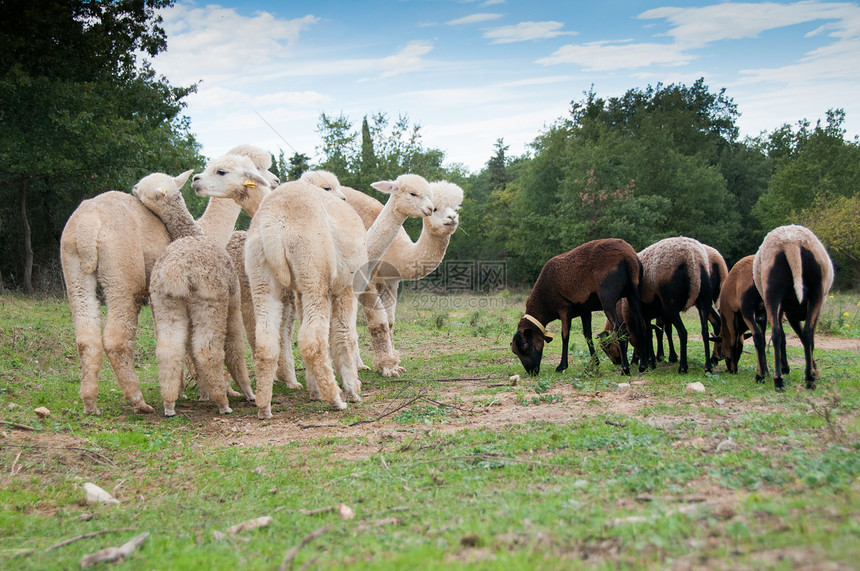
(234, 353)
(268, 312)
(343, 339)
(86, 315)
(314, 345)
(171, 330)
(118, 338)
(384, 358)
(286, 362)
(208, 338)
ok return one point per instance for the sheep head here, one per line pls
(157, 191)
(411, 194)
(447, 198)
(230, 176)
(527, 344)
(325, 180)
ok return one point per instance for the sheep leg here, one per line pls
(675, 319)
(706, 338)
(806, 333)
(673, 355)
(314, 345)
(758, 330)
(658, 331)
(777, 337)
(344, 338)
(118, 338)
(286, 361)
(586, 332)
(86, 315)
(565, 337)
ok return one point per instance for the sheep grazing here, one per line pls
(741, 309)
(195, 300)
(675, 278)
(718, 272)
(591, 277)
(793, 274)
(114, 240)
(404, 260)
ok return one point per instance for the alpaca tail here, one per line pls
(86, 240)
(792, 254)
(275, 250)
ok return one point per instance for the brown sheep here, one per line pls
(591, 277)
(741, 310)
(793, 273)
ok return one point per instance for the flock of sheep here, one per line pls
(312, 251)
(312, 245)
(788, 277)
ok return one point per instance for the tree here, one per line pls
(79, 114)
(837, 224)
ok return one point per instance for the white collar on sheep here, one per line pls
(540, 326)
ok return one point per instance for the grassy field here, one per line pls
(451, 466)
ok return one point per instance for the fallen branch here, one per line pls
(291, 554)
(16, 425)
(450, 380)
(112, 554)
(84, 536)
(618, 424)
(343, 510)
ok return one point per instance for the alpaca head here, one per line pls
(325, 180)
(261, 159)
(447, 198)
(158, 191)
(230, 176)
(411, 194)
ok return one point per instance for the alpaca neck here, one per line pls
(180, 223)
(219, 220)
(251, 198)
(426, 254)
(383, 231)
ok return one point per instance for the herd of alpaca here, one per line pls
(314, 249)
(307, 253)
(788, 278)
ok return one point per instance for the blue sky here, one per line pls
(472, 72)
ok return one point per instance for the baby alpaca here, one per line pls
(194, 290)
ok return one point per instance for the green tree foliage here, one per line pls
(79, 115)
(640, 167)
(810, 164)
(837, 223)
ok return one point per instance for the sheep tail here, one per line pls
(792, 254)
(87, 241)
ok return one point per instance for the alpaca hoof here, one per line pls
(92, 409)
(232, 393)
(293, 385)
(225, 410)
(362, 367)
(338, 404)
(389, 372)
(142, 408)
(265, 413)
(169, 411)
(251, 397)
(352, 398)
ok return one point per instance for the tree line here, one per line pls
(80, 114)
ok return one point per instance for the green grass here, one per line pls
(451, 467)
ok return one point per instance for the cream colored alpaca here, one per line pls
(194, 291)
(113, 240)
(314, 244)
(236, 248)
(404, 260)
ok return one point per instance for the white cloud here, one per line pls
(696, 27)
(406, 60)
(215, 43)
(603, 56)
(525, 31)
(473, 19)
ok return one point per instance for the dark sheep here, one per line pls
(793, 274)
(591, 277)
(675, 278)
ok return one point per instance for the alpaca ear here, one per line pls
(386, 186)
(180, 180)
(254, 176)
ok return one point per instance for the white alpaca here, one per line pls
(314, 244)
(404, 260)
(195, 292)
(236, 248)
(113, 240)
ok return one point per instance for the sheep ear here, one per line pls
(747, 335)
(716, 338)
(386, 186)
(180, 180)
